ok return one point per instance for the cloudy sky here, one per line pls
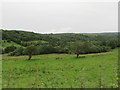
(60, 16)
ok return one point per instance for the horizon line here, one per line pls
(59, 32)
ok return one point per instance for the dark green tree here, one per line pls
(80, 47)
(76, 47)
(30, 50)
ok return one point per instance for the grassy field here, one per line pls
(67, 71)
(0, 72)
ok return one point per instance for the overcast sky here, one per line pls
(60, 16)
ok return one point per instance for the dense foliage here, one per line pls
(58, 43)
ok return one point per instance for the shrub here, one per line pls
(19, 51)
(9, 49)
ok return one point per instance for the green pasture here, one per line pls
(61, 71)
(0, 71)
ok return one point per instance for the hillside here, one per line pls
(16, 36)
(5, 44)
(54, 63)
(14, 41)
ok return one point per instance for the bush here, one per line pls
(19, 51)
(1, 50)
(9, 49)
(99, 49)
(45, 49)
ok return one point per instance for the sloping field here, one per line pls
(6, 44)
(0, 72)
(61, 71)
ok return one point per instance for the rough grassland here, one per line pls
(0, 72)
(45, 71)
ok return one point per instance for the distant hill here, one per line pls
(18, 36)
(57, 43)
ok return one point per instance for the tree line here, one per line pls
(68, 43)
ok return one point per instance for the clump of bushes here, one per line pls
(19, 51)
(9, 49)
(77, 48)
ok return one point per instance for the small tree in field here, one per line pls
(76, 48)
(30, 50)
(79, 47)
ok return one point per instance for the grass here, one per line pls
(0, 72)
(45, 71)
